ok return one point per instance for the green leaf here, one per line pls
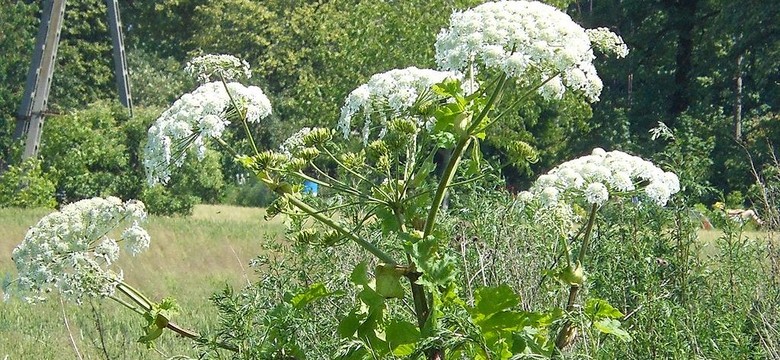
(150, 335)
(313, 293)
(388, 281)
(387, 219)
(401, 337)
(502, 321)
(438, 269)
(612, 326)
(476, 157)
(490, 300)
(422, 174)
(450, 88)
(444, 140)
(596, 309)
(446, 116)
(350, 323)
(371, 298)
(359, 275)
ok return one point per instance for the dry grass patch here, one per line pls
(189, 259)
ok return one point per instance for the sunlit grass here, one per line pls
(189, 259)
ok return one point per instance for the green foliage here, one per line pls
(249, 192)
(284, 315)
(85, 153)
(162, 201)
(83, 73)
(157, 319)
(196, 182)
(684, 64)
(689, 153)
(17, 35)
(97, 152)
(659, 286)
(26, 186)
(155, 81)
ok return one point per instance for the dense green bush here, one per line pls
(248, 193)
(26, 186)
(85, 152)
(17, 36)
(682, 297)
(155, 81)
(97, 152)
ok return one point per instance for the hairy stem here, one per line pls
(567, 333)
(457, 155)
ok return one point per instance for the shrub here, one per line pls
(26, 186)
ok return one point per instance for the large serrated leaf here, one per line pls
(612, 326)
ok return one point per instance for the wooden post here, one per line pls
(120, 59)
(738, 101)
(36, 92)
(30, 116)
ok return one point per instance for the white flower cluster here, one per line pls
(212, 67)
(387, 95)
(195, 117)
(608, 42)
(294, 142)
(594, 177)
(529, 41)
(72, 250)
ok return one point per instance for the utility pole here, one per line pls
(120, 59)
(30, 117)
(39, 77)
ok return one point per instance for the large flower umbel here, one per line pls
(215, 67)
(593, 178)
(72, 250)
(195, 117)
(533, 43)
(389, 95)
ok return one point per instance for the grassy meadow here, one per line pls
(189, 259)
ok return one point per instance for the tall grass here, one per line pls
(189, 259)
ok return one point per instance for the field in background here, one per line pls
(189, 258)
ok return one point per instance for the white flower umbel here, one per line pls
(607, 42)
(294, 142)
(529, 41)
(593, 178)
(72, 250)
(388, 95)
(194, 118)
(213, 67)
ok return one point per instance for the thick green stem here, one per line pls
(381, 255)
(242, 115)
(586, 236)
(568, 332)
(457, 155)
(419, 298)
(146, 305)
(446, 179)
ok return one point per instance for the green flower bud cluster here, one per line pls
(318, 137)
(378, 154)
(354, 161)
(521, 151)
(315, 236)
(400, 134)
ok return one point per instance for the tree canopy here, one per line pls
(706, 68)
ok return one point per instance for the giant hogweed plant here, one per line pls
(379, 175)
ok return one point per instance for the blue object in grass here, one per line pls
(310, 188)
